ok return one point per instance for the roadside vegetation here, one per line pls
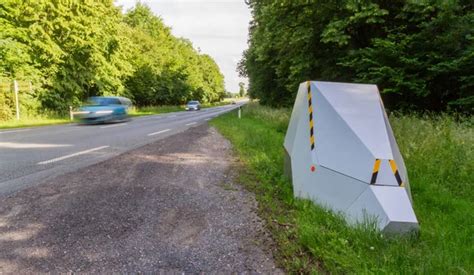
(43, 120)
(60, 53)
(419, 53)
(439, 154)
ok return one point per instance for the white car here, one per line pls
(193, 105)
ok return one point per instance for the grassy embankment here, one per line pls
(439, 154)
(42, 120)
(34, 121)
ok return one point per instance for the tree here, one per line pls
(420, 54)
(168, 69)
(242, 89)
(71, 50)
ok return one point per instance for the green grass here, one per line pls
(33, 121)
(439, 154)
(154, 110)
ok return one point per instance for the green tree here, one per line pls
(242, 89)
(168, 70)
(420, 53)
(71, 50)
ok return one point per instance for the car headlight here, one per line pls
(104, 112)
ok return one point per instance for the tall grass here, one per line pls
(438, 152)
(34, 120)
(153, 110)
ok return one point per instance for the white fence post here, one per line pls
(240, 112)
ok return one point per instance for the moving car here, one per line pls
(193, 105)
(103, 109)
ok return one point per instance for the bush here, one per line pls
(5, 109)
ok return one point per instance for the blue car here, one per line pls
(103, 109)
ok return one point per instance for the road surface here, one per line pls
(30, 156)
(171, 206)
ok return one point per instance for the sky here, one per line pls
(216, 27)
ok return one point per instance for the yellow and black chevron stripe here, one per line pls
(393, 165)
(375, 171)
(311, 122)
(394, 168)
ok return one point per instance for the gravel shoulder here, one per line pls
(170, 206)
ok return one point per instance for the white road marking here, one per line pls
(115, 125)
(15, 145)
(192, 123)
(207, 119)
(72, 155)
(160, 132)
(146, 117)
(14, 131)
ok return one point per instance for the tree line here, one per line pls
(70, 50)
(419, 53)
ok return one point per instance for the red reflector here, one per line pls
(313, 168)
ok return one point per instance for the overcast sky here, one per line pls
(217, 27)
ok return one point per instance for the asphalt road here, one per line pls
(168, 207)
(32, 155)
